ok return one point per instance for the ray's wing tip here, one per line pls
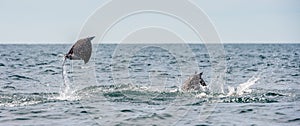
(85, 61)
(91, 38)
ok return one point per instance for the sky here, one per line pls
(60, 21)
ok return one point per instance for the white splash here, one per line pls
(242, 88)
(65, 92)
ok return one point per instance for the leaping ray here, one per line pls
(81, 50)
(194, 82)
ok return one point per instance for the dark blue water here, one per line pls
(141, 85)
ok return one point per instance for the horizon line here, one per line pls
(190, 42)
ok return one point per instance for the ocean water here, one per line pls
(141, 85)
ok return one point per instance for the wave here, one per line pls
(126, 93)
(26, 99)
(143, 95)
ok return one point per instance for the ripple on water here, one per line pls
(294, 120)
(19, 77)
(9, 87)
(246, 111)
(26, 99)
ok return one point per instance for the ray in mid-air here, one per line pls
(81, 50)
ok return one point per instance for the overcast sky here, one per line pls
(56, 21)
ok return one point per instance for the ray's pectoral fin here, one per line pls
(81, 50)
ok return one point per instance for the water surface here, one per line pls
(113, 89)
